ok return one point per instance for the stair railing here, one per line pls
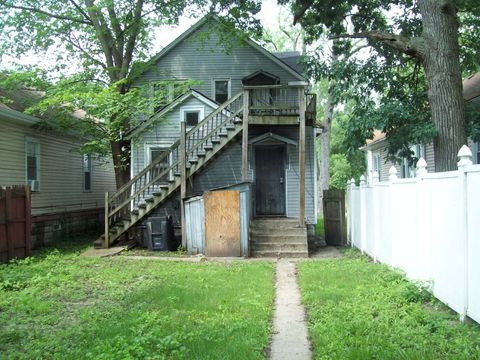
(156, 175)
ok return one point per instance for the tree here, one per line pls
(399, 31)
(105, 38)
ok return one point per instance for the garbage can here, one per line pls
(160, 234)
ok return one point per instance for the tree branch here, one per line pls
(132, 39)
(81, 11)
(408, 46)
(40, 11)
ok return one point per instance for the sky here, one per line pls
(166, 34)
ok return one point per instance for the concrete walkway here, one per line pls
(290, 335)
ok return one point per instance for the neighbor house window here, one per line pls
(407, 168)
(87, 172)
(191, 115)
(477, 157)
(376, 165)
(32, 161)
(221, 90)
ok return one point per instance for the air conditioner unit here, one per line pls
(34, 185)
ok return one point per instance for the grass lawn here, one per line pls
(60, 305)
(361, 310)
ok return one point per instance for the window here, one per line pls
(477, 157)
(221, 90)
(407, 167)
(376, 165)
(191, 115)
(87, 172)
(191, 118)
(32, 161)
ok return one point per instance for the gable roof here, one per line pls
(283, 64)
(167, 108)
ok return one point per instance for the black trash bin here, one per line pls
(160, 235)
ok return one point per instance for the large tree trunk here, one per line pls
(324, 158)
(442, 68)
(121, 161)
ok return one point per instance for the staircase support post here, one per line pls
(301, 154)
(245, 136)
(106, 243)
(183, 181)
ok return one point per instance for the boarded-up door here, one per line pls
(334, 217)
(15, 223)
(222, 223)
(270, 180)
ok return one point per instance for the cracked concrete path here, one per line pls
(290, 335)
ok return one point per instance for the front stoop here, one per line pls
(278, 237)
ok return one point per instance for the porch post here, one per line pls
(183, 181)
(245, 136)
(301, 154)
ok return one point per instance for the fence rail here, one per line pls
(15, 223)
(427, 226)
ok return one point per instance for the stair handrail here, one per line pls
(157, 160)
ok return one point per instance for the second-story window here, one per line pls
(192, 115)
(221, 90)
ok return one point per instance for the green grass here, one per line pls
(60, 305)
(320, 228)
(361, 310)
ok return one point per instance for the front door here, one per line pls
(270, 180)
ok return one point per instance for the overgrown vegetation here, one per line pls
(361, 310)
(60, 305)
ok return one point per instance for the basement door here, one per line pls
(270, 180)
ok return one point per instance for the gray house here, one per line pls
(248, 120)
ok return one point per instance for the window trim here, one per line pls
(37, 157)
(229, 87)
(191, 108)
(84, 172)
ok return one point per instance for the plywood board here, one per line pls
(222, 223)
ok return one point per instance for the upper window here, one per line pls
(87, 172)
(221, 90)
(164, 163)
(32, 161)
(192, 115)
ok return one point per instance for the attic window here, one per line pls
(191, 118)
(192, 115)
(221, 90)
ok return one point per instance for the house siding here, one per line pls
(385, 164)
(205, 59)
(61, 175)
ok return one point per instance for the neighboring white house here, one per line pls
(67, 187)
(376, 148)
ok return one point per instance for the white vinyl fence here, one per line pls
(427, 226)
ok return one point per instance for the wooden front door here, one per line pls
(270, 180)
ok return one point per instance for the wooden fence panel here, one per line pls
(334, 217)
(15, 223)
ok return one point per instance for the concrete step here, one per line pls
(279, 238)
(288, 231)
(283, 254)
(278, 247)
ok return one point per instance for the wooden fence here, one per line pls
(15, 223)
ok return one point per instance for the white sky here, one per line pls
(166, 34)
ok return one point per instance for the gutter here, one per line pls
(18, 116)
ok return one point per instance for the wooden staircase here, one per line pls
(156, 182)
